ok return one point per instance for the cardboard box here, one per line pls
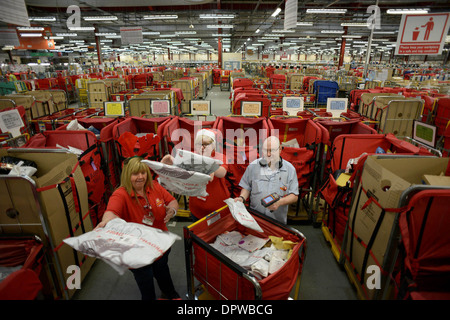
(296, 85)
(158, 76)
(56, 207)
(396, 114)
(384, 178)
(140, 105)
(436, 180)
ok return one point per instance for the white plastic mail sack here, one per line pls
(124, 245)
(241, 215)
(252, 253)
(180, 181)
(195, 162)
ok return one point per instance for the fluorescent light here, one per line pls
(354, 24)
(167, 35)
(161, 17)
(30, 35)
(217, 26)
(56, 38)
(407, 11)
(217, 16)
(30, 28)
(332, 31)
(42, 19)
(221, 35)
(384, 40)
(326, 10)
(384, 32)
(100, 18)
(185, 32)
(257, 31)
(305, 23)
(81, 28)
(150, 33)
(113, 37)
(104, 34)
(276, 12)
(282, 31)
(66, 34)
(351, 37)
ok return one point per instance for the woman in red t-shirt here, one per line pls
(205, 144)
(139, 199)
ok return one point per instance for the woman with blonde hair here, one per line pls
(205, 145)
(139, 199)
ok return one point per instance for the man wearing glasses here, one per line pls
(270, 182)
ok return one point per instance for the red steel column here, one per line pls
(342, 52)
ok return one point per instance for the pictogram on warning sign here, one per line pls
(422, 34)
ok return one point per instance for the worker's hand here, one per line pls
(101, 224)
(274, 206)
(167, 159)
(170, 213)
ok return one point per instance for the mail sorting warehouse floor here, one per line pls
(321, 278)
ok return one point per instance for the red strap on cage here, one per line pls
(372, 199)
(56, 184)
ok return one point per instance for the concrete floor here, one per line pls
(322, 278)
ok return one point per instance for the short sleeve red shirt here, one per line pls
(125, 206)
(217, 192)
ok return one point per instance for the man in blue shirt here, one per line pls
(267, 175)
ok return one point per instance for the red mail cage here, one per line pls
(223, 278)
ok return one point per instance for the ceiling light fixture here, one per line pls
(81, 28)
(326, 10)
(104, 34)
(66, 34)
(161, 17)
(283, 31)
(101, 18)
(276, 12)
(305, 23)
(42, 19)
(332, 31)
(30, 28)
(354, 24)
(407, 11)
(217, 16)
(30, 35)
(217, 26)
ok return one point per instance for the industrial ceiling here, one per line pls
(181, 25)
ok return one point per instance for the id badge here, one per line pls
(148, 220)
